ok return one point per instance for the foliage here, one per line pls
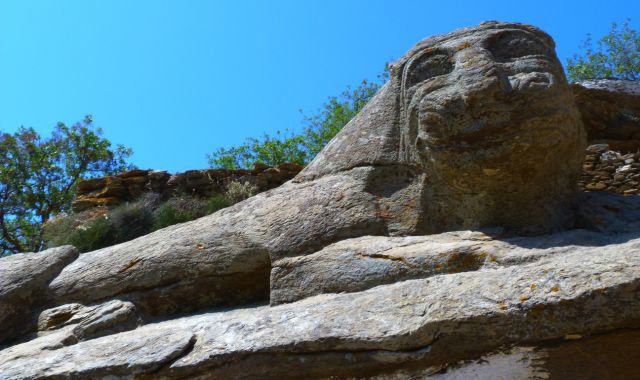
(125, 222)
(98, 233)
(301, 148)
(179, 210)
(217, 202)
(269, 150)
(616, 55)
(239, 191)
(130, 220)
(38, 177)
(185, 208)
(134, 219)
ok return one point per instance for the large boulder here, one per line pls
(358, 264)
(610, 111)
(23, 282)
(428, 321)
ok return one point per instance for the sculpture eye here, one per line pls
(509, 46)
(429, 66)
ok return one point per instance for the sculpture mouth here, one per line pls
(542, 129)
(508, 120)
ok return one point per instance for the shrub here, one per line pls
(131, 220)
(125, 222)
(616, 55)
(57, 231)
(179, 210)
(239, 191)
(217, 202)
(97, 233)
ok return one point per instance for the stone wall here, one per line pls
(608, 170)
(114, 190)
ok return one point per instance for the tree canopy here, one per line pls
(38, 177)
(615, 55)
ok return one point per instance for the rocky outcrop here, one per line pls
(610, 110)
(570, 291)
(23, 280)
(354, 265)
(88, 321)
(114, 190)
(408, 240)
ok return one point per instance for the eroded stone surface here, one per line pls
(357, 264)
(23, 280)
(89, 321)
(487, 115)
(610, 111)
(382, 175)
(426, 320)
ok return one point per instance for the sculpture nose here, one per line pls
(533, 81)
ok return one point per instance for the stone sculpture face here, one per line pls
(488, 114)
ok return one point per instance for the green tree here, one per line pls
(616, 55)
(269, 150)
(38, 177)
(288, 147)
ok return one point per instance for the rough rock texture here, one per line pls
(114, 190)
(224, 258)
(23, 279)
(358, 264)
(610, 111)
(487, 115)
(89, 321)
(427, 320)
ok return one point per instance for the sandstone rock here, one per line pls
(428, 321)
(23, 280)
(128, 186)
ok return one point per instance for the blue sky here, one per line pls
(176, 80)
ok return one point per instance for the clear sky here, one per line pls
(175, 80)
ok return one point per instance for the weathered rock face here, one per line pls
(482, 114)
(23, 279)
(88, 321)
(567, 291)
(610, 111)
(490, 116)
(358, 264)
(487, 116)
